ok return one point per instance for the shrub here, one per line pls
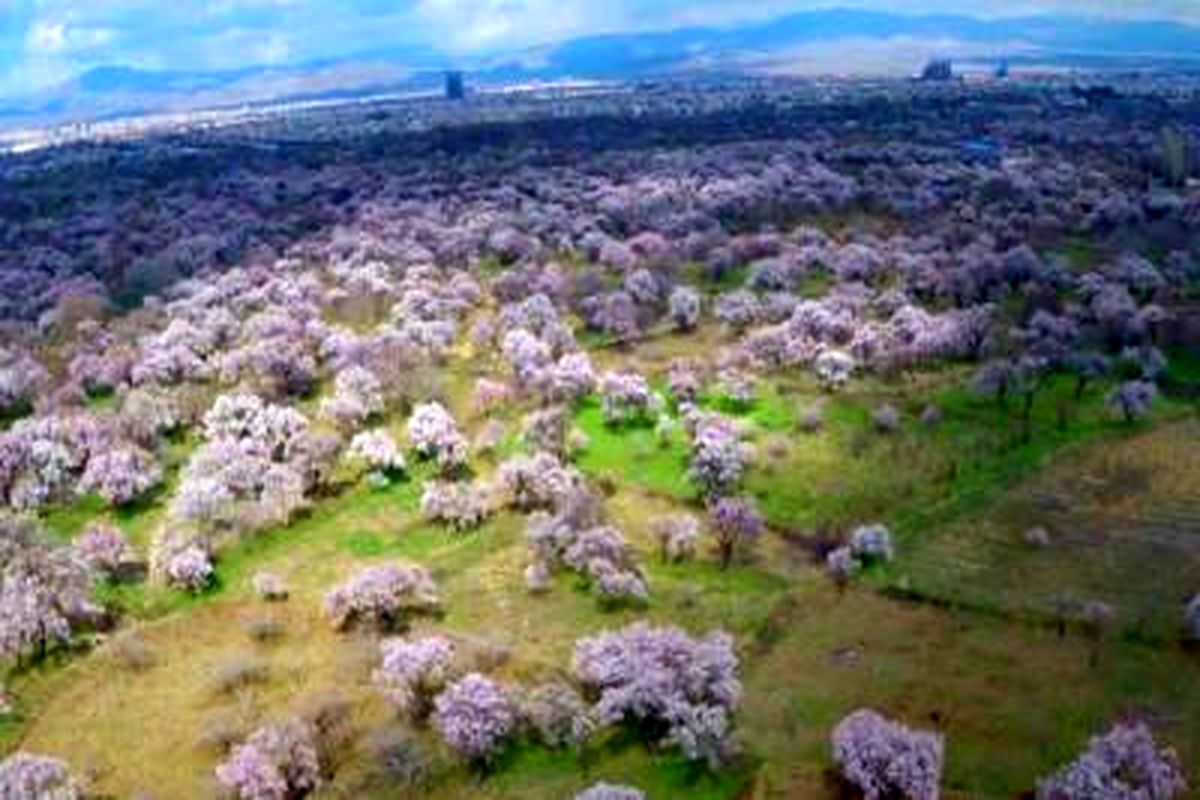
(434, 434)
(1123, 763)
(265, 629)
(484, 653)
(120, 475)
(1133, 400)
(884, 759)
(886, 419)
(329, 714)
(412, 671)
(719, 457)
(872, 543)
(599, 553)
(1087, 367)
(399, 756)
(462, 506)
(738, 309)
(682, 689)
(44, 591)
(539, 577)
(737, 524)
(571, 379)
(1191, 619)
(489, 438)
(189, 569)
(1036, 537)
(378, 450)
(130, 652)
(221, 734)
(382, 597)
(616, 315)
(22, 378)
(238, 672)
(931, 416)
(475, 717)
(683, 381)
(684, 305)
(277, 762)
(104, 549)
(269, 586)
(42, 458)
(251, 471)
(357, 395)
(610, 791)
(841, 565)
(539, 481)
(24, 776)
(995, 379)
(490, 395)
(736, 387)
(546, 429)
(558, 715)
(528, 356)
(812, 420)
(834, 369)
(626, 397)
(677, 536)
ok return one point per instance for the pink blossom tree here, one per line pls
(475, 716)
(883, 759)
(385, 596)
(682, 689)
(1125, 762)
(277, 762)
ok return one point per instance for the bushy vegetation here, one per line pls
(540, 455)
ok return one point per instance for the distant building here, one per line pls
(1095, 95)
(981, 151)
(456, 88)
(938, 70)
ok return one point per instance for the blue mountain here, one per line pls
(1094, 43)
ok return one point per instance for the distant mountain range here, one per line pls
(833, 41)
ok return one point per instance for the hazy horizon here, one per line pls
(45, 43)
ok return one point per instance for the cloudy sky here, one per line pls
(44, 42)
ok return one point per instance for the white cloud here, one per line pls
(46, 38)
(474, 25)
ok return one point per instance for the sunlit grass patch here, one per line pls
(633, 454)
(1123, 525)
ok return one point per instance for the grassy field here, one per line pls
(1013, 696)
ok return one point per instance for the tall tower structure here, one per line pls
(455, 85)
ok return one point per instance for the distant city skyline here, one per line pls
(47, 42)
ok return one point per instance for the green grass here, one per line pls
(65, 522)
(848, 473)
(816, 284)
(1014, 700)
(772, 410)
(102, 401)
(633, 454)
(1123, 504)
(728, 280)
(1081, 253)
(1183, 368)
